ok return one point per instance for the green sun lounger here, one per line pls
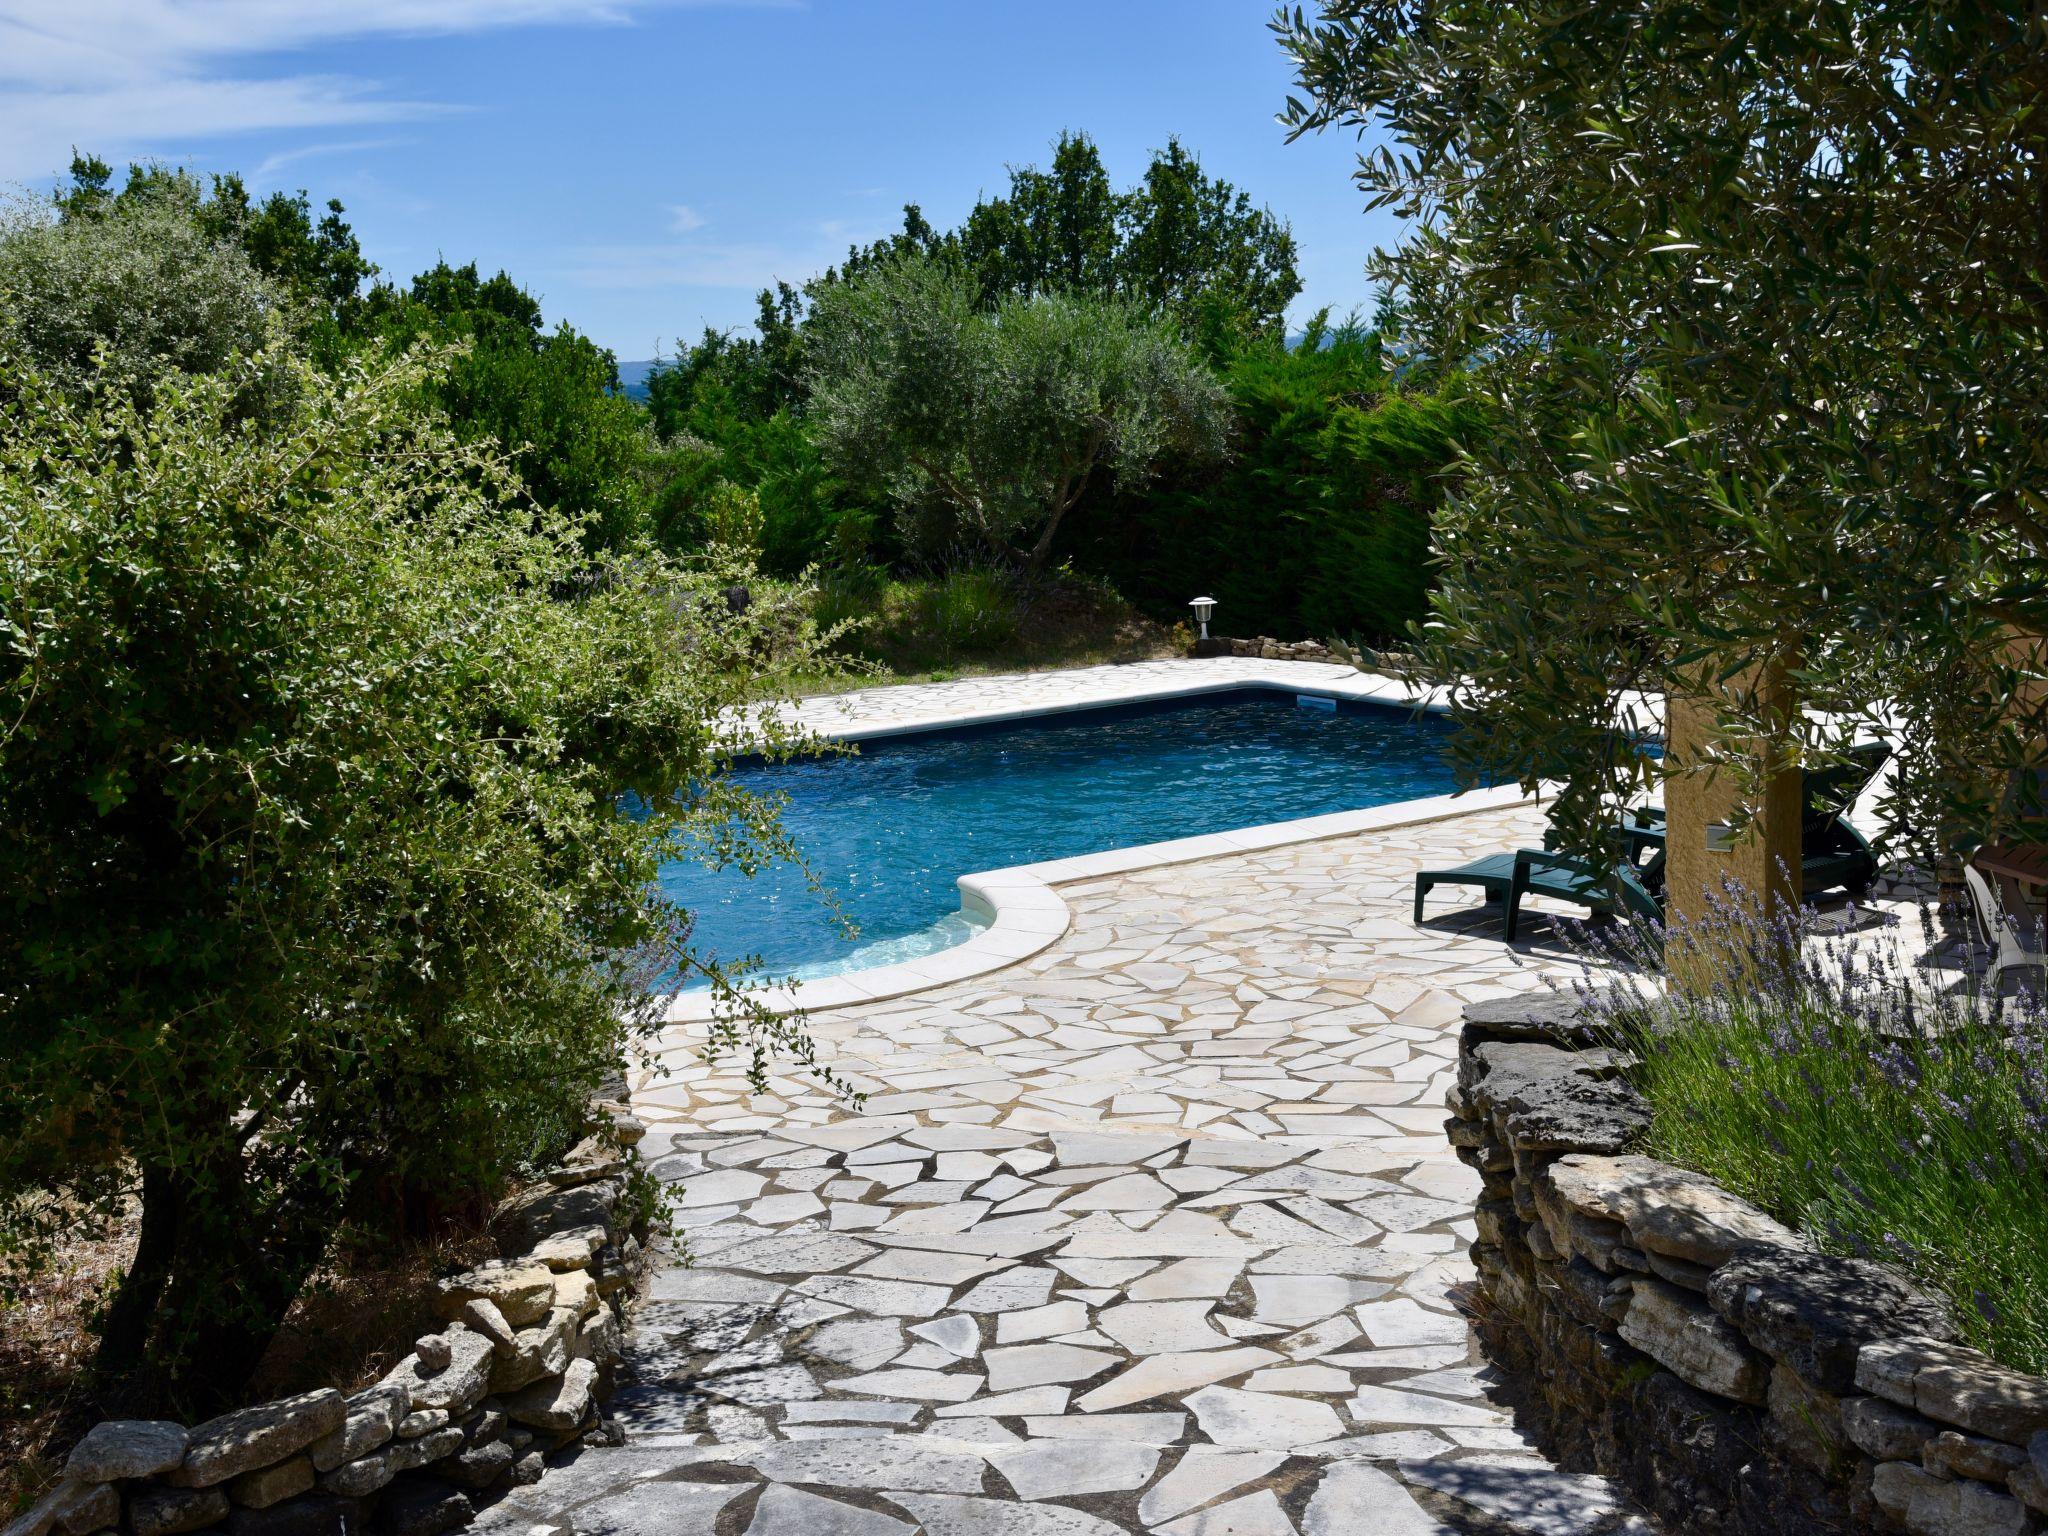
(1836, 855)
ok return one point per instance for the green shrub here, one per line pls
(316, 886)
(847, 597)
(1319, 526)
(1887, 1126)
(968, 609)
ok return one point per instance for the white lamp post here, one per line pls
(1203, 606)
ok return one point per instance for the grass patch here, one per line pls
(974, 620)
(1910, 1129)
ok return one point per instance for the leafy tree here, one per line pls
(727, 377)
(1001, 419)
(316, 879)
(1181, 240)
(137, 277)
(1752, 299)
(1195, 245)
(550, 399)
(1057, 230)
(320, 263)
(1334, 473)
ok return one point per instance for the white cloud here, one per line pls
(145, 76)
(270, 165)
(684, 219)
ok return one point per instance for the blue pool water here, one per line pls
(890, 829)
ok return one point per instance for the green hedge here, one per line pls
(1319, 524)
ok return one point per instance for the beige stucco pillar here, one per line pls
(1701, 805)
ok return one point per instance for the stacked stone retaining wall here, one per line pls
(1267, 649)
(1675, 1337)
(523, 1354)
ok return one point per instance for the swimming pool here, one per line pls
(891, 829)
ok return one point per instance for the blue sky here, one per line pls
(646, 165)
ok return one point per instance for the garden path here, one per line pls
(1156, 1231)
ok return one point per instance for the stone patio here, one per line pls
(1156, 1231)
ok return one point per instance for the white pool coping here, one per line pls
(1025, 913)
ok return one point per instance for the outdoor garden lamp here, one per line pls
(1203, 606)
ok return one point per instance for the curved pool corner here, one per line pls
(1026, 915)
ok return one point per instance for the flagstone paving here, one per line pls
(1154, 1232)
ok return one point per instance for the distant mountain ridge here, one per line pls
(633, 378)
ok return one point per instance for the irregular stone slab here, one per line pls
(957, 1334)
(1061, 1469)
(658, 1509)
(1320, 1379)
(677, 1284)
(761, 1386)
(521, 1292)
(1163, 1375)
(1044, 1322)
(266, 1486)
(784, 1511)
(932, 1268)
(1006, 1404)
(1391, 1444)
(1202, 1474)
(156, 1511)
(1934, 1506)
(1354, 1497)
(1814, 1311)
(1950, 1454)
(1402, 1324)
(888, 1462)
(555, 1405)
(943, 1515)
(1680, 1332)
(1336, 1259)
(256, 1437)
(1668, 1210)
(1539, 1501)
(926, 1386)
(1130, 1192)
(1211, 1278)
(1884, 1431)
(726, 1186)
(1035, 1365)
(1386, 1405)
(968, 1138)
(1956, 1385)
(121, 1448)
(1240, 1154)
(1162, 1327)
(864, 1413)
(891, 1298)
(1262, 1420)
(69, 1509)
(1088, 1149)
(1161, 1429)
(1013, 1291)
(810, 1253)
(1256, 1514)
(1301, 1298)
(861, 1342)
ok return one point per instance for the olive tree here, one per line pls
(125, 291)
(1752, 299)
(1003, 417)
(318, 888)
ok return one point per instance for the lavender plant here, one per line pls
(1830, 1081)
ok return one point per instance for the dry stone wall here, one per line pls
(1267, 649)
(1675, 1337)
(523, 1354)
